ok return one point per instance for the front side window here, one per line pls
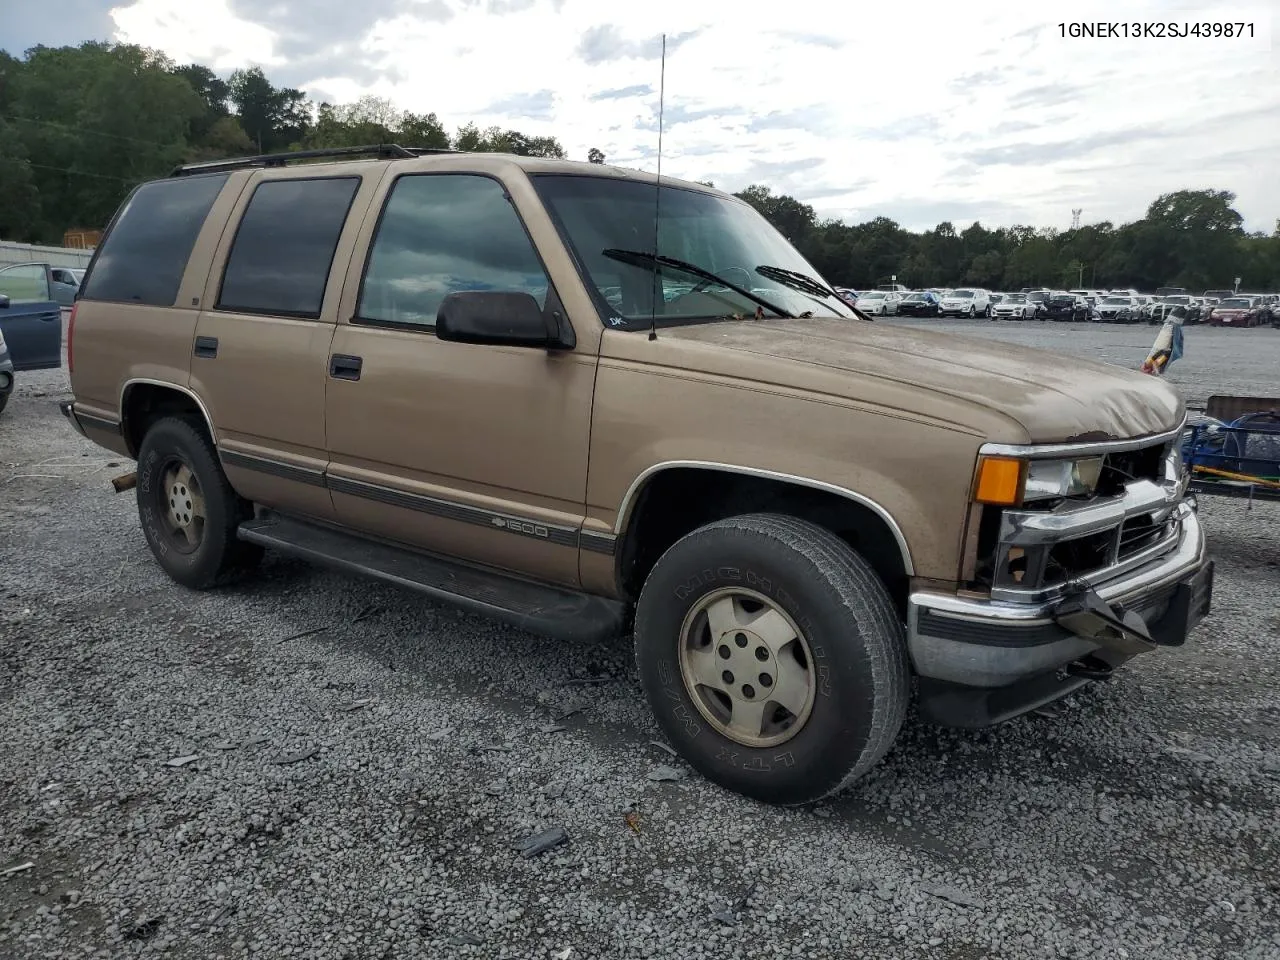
(608, 224)
(442, 234)
(280, 259)
(25, 283)
(144, 254)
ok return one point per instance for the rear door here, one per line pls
(260, 356)
(32, 321)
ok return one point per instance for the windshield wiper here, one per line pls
(797, 280)
(805, 284)
(640, 258)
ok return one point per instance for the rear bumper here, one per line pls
(981, 661)
(68, 409)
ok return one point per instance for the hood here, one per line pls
(1054, 399)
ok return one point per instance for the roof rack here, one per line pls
(383, 151)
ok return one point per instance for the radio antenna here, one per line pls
(657, 198)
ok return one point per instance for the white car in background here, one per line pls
(1014, 306)
(966, 302)
(877, 303)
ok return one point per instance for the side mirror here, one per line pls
(4, 301)
(498, 319)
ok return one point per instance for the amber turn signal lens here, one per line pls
(1000, 481)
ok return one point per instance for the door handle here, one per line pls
(206, 347)
(344, 367)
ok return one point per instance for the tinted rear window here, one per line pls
(145, 252)
(280, 259)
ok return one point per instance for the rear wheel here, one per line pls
(772, 656)
(4, 401)
(188, 511)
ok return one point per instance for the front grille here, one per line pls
(1138, 533)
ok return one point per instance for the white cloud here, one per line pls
(207, 32)
(913, 110)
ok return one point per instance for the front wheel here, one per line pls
(188, 510)
(4, 401)
(973, 312)
(772, 657)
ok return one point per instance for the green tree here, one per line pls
(274, 118)
(96, 120)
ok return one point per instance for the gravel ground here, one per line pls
(357, 791)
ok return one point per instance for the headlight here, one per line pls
(1009, 482)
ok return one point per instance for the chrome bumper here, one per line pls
(994, 642)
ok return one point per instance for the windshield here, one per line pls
(720, 236)
(960, 295)
(1237, 303)
(1116, 301)
(873, 295)
(1180, 300)
(918, 296)
(1015, 298)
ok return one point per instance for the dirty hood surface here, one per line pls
(1054, 397)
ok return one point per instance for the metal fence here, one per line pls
(11, 252)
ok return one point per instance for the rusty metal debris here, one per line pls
(125, 482)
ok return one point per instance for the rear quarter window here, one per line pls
(145, 252)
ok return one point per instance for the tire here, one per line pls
(857, 686)
(973, 311)
(4, 401)
(212, 554)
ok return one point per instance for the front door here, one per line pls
(261, 347)
(30, 319)
(472, 451)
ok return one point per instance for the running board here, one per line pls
(538, 608)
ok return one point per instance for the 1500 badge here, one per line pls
(520, 526)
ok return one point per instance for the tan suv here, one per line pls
(473, 376)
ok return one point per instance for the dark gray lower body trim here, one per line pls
(446, 509)
(89, 421)
(274, 468)
(604, 543)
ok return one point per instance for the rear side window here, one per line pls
(280, 259)
(144, 255)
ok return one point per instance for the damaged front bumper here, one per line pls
(981, 661)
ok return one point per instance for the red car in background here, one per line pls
(1237, 312)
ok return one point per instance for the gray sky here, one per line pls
(916, 110)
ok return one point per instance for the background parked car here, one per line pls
(922, 303)
(1237, 312)
(1118, 309)
(1014, 306)
(1061, 305)
(877, 303)
(64, 285)
(30, 323)
(965, 302)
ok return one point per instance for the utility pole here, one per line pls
(1080, 279)
(1075, 217)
